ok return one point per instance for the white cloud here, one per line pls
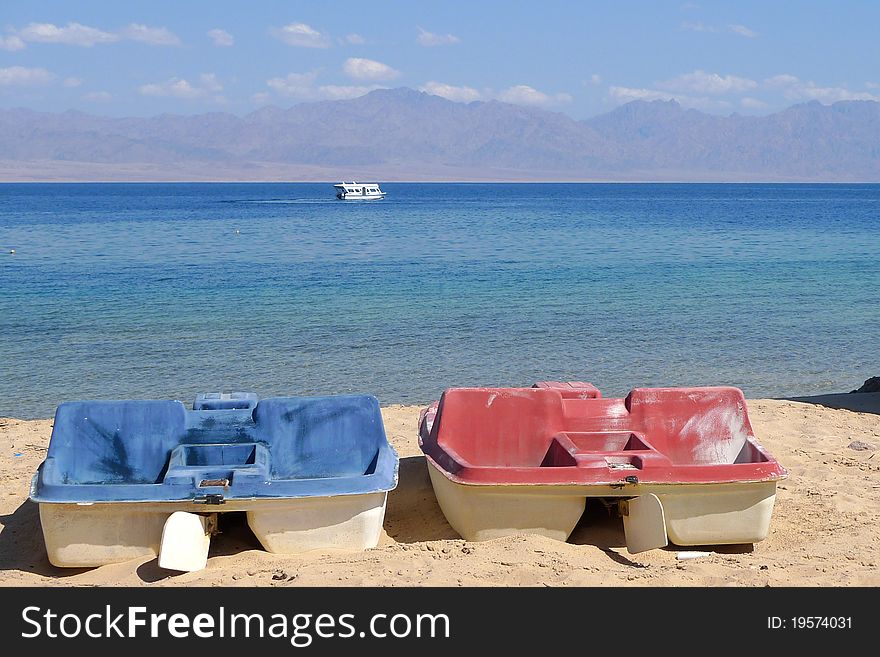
(210, 82)
(295, 84)
(451, 92)
(368, 69)
(221, 38)
(98, 96)
(304, 87)
(708, 83)
(628, 94)
(77, 34)
(72, 82)
(695, 89)
(752, 103)
(72, 34)
(180, 88)
(355, 39)
(11, 43)
(780, 81)
(426, 38)
(300, 35)
(794, 88)
(154, 36)
(176, 87)
(261, 98)
(811, 91)
(697, 26)
(872, 85)
(24, 77)
(689, 6)
(593, 80)
(519, 94)
(343, 92)
(522, 94)
(742, 30)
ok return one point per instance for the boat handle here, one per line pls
(211, 499)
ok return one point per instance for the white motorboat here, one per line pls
(355, 191)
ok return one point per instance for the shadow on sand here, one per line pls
(860, 402)
(604, 529)
(412, 513)
(22, 547)
(235, 537)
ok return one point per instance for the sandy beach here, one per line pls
(824, 530)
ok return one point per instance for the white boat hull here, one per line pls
(360, 197)
(695, 514)
(85, 536)
(355, 191)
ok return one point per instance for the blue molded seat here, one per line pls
(313, 437)
(113, 442)
(158, 451)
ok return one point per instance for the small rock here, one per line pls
(871, 385)
(764, 567)
(682, 556)
(859, 446)
(236, 576)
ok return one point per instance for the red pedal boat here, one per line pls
(682, 464)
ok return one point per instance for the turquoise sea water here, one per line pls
(167, 290)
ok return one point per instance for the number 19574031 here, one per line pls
(809, 623)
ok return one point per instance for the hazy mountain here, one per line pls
(810, 141)
(402, 134)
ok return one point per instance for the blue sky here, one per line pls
(581, 58)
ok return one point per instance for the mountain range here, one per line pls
(402, 134)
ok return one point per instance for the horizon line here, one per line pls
(442, 182)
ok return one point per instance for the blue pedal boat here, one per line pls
(309, 472)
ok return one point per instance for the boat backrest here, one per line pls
(105, 442)
(692, 425)
(320, 436)
(499, 427)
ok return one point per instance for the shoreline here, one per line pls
(852, 401)
(822, 532)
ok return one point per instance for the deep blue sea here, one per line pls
(167, 290)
